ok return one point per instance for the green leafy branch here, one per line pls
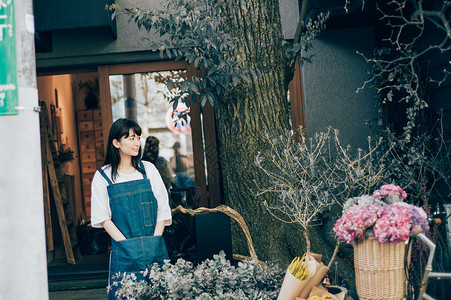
(193, 30)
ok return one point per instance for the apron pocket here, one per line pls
(125, 256)
(134, 255)
(154, 250)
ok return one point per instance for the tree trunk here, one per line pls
(243, 115)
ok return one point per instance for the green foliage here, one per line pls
(65, 154)
(89, 86)
(193, 31)
(298, 49)
(212, 279)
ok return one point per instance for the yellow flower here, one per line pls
(299, 268)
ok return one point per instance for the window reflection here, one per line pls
(145, 98)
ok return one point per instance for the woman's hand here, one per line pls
(159, 228)
(113, 231)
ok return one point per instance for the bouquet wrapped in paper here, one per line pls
(302, 275)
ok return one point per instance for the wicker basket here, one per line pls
(379, 269)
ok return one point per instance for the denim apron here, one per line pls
(134, 212)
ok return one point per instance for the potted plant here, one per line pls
(304, 177)
(65, 154)
(91, 88)
(379, 226)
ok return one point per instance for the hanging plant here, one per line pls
(65, 154)
(91, 88)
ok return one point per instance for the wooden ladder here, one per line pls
(54, 181)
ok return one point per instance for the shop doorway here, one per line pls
(72, 262)
(78, 119)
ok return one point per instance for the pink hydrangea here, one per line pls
(355, 221)
(389, 189)
(394, 224)
(418, 217)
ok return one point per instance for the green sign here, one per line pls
(8, 63)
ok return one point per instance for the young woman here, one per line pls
(129, 200)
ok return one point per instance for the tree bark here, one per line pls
(243, 115)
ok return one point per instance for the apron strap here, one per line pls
(105, 176)
(144, 169)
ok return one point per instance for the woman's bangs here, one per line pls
(136, 129)
(133, 126)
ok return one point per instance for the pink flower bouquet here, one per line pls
(370, 215)
(394, 225)
(391, 192)
(356, 220)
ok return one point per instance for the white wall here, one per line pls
(23, 264)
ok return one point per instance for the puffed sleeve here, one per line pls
(160, 192)
(100, 205)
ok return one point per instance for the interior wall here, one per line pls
(59, 87)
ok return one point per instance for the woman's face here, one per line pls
(128, 145)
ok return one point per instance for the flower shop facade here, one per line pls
(75, 50)
(76, 56)
(70, 52)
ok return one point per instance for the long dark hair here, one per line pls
(121, 129)
(151, 149)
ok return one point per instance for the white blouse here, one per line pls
(100, 204)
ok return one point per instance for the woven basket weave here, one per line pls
(379, 269)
